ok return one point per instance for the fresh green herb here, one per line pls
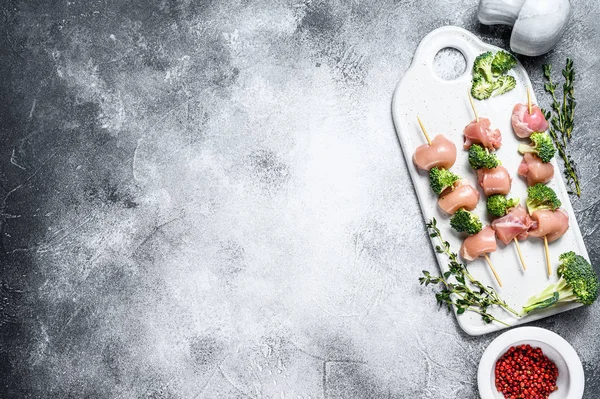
(561, 118)
(464, 293)
(577, 283)
(489, 74)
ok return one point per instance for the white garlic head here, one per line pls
(537, 24)
(539, 27)
(499, 12)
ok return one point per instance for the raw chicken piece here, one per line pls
(515, 223)
(524, 123)
(441, 153)
(478, 244)
(494, 181)
(463, 196)
(552, 224)
(480, 133)
(534, 170)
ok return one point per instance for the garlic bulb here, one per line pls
(539, 27)
(499, 12)
(538, 24)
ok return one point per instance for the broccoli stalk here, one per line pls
(541, 197)
(502, 63)
(480, 157)
(483, 66)
(466, 222)
(504, 84)
(541, 145)
(498, 205)
(441, 179)
(577, 283)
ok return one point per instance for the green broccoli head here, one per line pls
(481, 157)
(481, 88)
(483, 65)
(498, 205)
(580, 276)
(441, 179)
(541, 145)
(578, 282)
(466, 222)
(540, 197)
(486, 68)
(503, 84)
(503, 62)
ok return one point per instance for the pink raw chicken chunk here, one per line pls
(494, 181)
(478, 244)
(441, 153)
(515, 223)
(551, 224)
(534, 170)
(462, 196)
(480, 133)
(524, 123)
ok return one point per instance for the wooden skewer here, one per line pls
(548, 265)
(489, 262)
(520, 254)
(424, 131)
(528, 101)
(473, 106)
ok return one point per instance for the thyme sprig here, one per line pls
(561, 119)
(465, 293)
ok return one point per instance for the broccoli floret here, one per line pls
(541, 145)
(466, 222)
(485, 68)
(541, 197)
(577, 283)
(502, 62)
(481, 157)
(441, 179)
(498, 205)
(481, 88)
(483, 65)
(505, 83)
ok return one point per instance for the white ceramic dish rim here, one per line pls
(509, 338)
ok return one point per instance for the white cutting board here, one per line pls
(443, 106)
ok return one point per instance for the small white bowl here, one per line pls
(571, 380)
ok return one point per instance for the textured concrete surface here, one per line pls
(206, 199)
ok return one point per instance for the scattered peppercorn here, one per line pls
(524, 372)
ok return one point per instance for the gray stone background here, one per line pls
(207, 199)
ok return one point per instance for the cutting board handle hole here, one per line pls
(449, 63)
